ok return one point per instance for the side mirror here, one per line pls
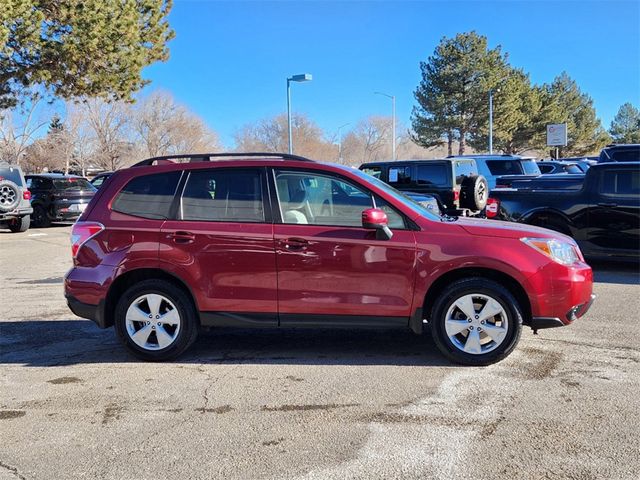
(376, 219)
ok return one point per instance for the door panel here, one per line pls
(344, 271)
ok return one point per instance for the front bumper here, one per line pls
(538, 323)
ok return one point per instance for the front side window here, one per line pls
(223, 196)
(400, 175)
(148, 196)
(373, 171)
(309, 198)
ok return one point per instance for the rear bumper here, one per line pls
(18, 212)
(85, 310)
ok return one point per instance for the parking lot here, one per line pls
(308, 404)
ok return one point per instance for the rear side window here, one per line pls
(223, 196)
(148, 196)
(546, 168)
(625, 155)
(505, 167)
(621, 183)
(464, 169)
(432, 175)
(530, 167)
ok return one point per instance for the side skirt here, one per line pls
(265, 320)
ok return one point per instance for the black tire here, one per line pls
(9, 196)
(20, 224)
(474, 192)
(40, 218)
(476, 286)
(189, 323)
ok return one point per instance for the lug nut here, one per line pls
(482, 322)
(157, 317)
(477, 317)
(158, 323)
(148, 323)
(150, 316)
(470, 320)
(470, 328)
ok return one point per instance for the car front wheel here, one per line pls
(476, 322)
(156, 320)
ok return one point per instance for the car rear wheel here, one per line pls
(20, 224)
(476, 322)
(40, 217)
(156, 320)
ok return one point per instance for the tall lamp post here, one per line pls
(303, 77)
(340, 141)
(393, 122)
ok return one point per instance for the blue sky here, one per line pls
(230, 60)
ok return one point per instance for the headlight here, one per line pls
(558, 251)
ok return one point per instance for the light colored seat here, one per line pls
(294, 216)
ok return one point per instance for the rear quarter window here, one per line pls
(11, 174)
(148, 196)
(432, 175)
(620, 183)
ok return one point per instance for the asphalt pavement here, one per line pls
(303, 404)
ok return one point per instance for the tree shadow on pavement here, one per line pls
(47, 343)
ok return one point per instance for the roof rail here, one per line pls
(207, 157)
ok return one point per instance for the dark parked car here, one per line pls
(281, 241)
(58, 198)
(629, 152)
(454, 183)
(600, 209)
(100, 178)
(15, 207)
(552, 167)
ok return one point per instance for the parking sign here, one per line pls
(557, 135)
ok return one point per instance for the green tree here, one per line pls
(563, 102)
(625, 127)
(452, 95)
(79, 48)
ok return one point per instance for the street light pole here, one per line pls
(490, 122)
(304, 77)
(340, 142)
(393, 122)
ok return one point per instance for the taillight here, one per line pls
(493, 207)
(456, 195)
(81, 233)
(26, 194)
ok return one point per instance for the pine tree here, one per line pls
(563, 102)
(452, 95)
(625, 127)
(76, 48)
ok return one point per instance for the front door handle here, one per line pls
(182, 237)
(605, 204)
(294, 243)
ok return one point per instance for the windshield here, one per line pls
(72, 183)
(401, 197)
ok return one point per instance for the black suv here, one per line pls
(15, 208)
(629, 152)
(454, 182)
(58, 198)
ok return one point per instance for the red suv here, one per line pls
(275, 240)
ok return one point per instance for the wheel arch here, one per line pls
(548, 216)
(124, 281)
(504, 279)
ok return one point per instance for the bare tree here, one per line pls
(17, 132)
(271, 135)
(164, 127)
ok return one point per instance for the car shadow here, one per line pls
(49, 343)
(616, 272)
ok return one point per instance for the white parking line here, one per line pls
(37, 235)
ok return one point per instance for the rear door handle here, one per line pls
(182, 237)
(294, 243)
(607, 204)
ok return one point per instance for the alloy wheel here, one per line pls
(152, 321)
